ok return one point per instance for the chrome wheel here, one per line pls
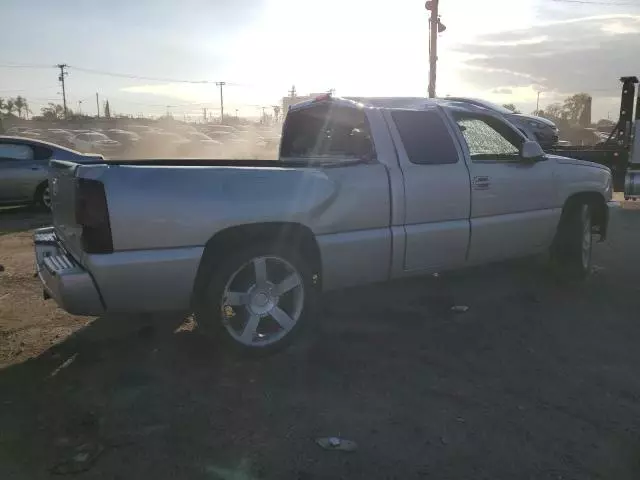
(46, 197)
(262, 301)
(587, 237)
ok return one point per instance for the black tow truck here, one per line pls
(616, 151)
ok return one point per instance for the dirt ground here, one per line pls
(537, 380)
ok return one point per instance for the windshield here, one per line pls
(482, 103)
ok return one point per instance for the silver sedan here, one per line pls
(24, 168)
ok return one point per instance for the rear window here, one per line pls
(425, 137)
(96, 136)
(329, 131)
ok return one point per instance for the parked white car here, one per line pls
(94, 142)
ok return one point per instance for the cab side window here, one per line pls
(425, 137)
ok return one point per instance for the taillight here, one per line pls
(92, 213)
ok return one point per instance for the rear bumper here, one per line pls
(63, 279)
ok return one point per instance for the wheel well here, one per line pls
(598, 207)
(41, 186)
(293, 235)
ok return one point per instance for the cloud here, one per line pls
(180, 91)
(576, 55)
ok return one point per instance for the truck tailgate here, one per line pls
(62, 181)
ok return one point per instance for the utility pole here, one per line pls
(221, 84)
(538, 103)
(97, 105)
(204, 114)
(63, 73)
(79, 107)
(292, 92)
(236, 114)
(435, 27)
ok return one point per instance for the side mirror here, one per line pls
(531, 151)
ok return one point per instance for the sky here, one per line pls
(501, 50)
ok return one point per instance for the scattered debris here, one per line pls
(1, 268)
(335, 443)
(64, 364)
(82, 458)
(459, 308)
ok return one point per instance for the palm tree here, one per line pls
(19, 102)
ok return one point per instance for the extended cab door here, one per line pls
(436, 190)
(512, 199)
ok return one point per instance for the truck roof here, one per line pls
(391, 103)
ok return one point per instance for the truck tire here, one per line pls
(257, 300)
(572, 248)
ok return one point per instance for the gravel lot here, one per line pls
(537, 380)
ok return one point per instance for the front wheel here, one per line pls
(257, 300)
(573, 247)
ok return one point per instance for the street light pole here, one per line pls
(432, 5)
(221, 84)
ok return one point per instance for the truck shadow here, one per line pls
(391, 366)
(21, 218)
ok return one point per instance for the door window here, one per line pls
(488, 139)
(425, 137)
(12, 151)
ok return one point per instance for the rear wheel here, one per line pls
(43, 196)
(574, 242)
(257, 300)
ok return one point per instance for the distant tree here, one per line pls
(553, 112)
(512, 107)
(1, 104)
(575, 106)
(20, 103)
(107, 110)
(54, 111)
(9, 106)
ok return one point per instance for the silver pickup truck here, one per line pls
(362, 192)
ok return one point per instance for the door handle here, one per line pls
(481, 182)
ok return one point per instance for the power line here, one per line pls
(143, 77)
(136, 77)
(25, 65)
